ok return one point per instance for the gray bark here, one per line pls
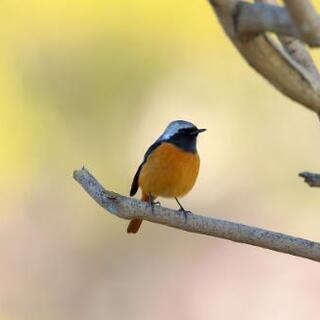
(129, 208)
(306, 20)
(312, 179)
(298, 81)
(261, 17)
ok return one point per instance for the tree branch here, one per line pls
(306, 20)
(295, 48)
(312, 179)
(266, 17)
(129, 208)
(269, 59)
(261, 17)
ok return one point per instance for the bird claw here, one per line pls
(153, 204)
(185, 214)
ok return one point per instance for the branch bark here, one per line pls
(296, 48)
(129, 208)
(266, 17)
(262, 17)
(312, 179)
(306, 20)
(293, 79)
(288, 66)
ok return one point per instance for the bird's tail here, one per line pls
(134, 224)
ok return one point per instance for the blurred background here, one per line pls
(94, 83)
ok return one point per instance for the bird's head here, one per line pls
(182, 134)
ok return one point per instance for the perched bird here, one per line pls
(170, 166)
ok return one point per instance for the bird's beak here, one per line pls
(197, 131)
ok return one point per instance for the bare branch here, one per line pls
(295, 48)
(261, 17)
(306, 19)
(270, 60)
(266, 17)
(129, 208)
(312, 179)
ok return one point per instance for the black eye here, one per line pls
(186, 131)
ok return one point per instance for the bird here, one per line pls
(169, 168)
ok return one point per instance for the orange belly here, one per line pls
(169, 172)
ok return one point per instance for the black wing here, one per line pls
(135, 182)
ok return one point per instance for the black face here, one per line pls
(186, 138)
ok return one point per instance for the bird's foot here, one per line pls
(185, 214)
(182, 209)
(153, 204)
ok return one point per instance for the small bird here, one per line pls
(170, 166)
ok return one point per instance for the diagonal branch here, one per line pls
(293, 46)
(129, 208)
(268, 17)
(297, 51)
(306, 20)
(262, 17)
(290, 77)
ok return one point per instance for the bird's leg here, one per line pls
(180, 205)
(185, 212)
(152, 202)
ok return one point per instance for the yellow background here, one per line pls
(94, 83)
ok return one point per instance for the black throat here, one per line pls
(185, 142)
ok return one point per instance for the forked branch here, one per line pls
(306, 19)
(298, 20)
(292, 73)
(255, 18)
(286, 64)
(129, 208)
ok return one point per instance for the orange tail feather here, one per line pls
(134, 224)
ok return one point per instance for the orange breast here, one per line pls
(169, 171)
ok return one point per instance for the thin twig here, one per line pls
(312, 179)
(129, 208)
